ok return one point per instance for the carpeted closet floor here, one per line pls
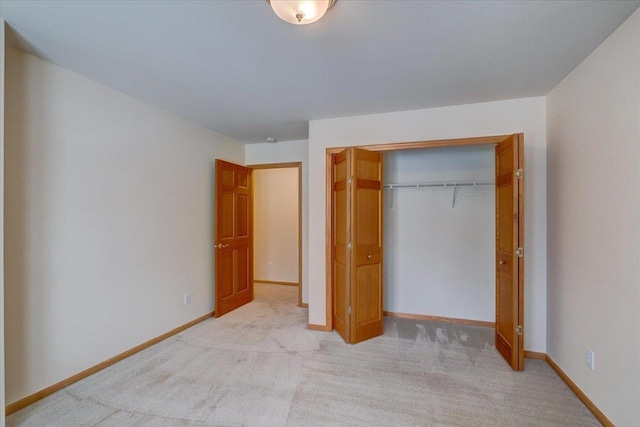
(259, 365)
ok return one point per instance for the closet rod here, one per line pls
(438, 184)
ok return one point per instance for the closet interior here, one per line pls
(439, 232)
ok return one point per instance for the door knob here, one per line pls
(221, 246)
(502, 262)
(369, 256)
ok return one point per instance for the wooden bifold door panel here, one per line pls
(357, 244)
(234, 237)
(509, 174)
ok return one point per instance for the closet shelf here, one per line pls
(453, 185)
(437, 184)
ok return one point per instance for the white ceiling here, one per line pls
(235, 67)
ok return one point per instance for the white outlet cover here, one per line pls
(590, 359)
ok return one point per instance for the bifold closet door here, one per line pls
(340, 253)
(357, 244)
(509, 334)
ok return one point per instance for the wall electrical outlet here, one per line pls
(590, 359)
(187, 298)
(270, 266)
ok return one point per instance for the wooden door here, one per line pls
(366, 257)
(509, 156)
(234, 237)
(340, 255)
(357, 244)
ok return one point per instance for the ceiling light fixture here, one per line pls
(271, 140)
(300, 12)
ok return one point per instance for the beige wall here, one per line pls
(275, 220)
(439, 260)
(526, 115)
(109, 214)
(594, 224)
(285, 152)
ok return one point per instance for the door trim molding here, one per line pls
(275, 165)
(297, 165)
(330, 152)
(480, 140)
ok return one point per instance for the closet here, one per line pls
(439, 233)
(428, 229)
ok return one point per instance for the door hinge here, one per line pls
(349, 310)
(519, 330)
(349, 245)
(350, 180)
(519, 174)
(520, 252)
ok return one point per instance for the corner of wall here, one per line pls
(593, 231)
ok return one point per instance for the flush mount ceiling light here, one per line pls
(300, 12)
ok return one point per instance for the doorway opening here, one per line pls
(349, 178)
(439, 234)
(277, 224)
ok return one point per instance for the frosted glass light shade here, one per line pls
(300, 12)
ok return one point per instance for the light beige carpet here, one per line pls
(259, 365)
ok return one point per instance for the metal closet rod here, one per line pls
(438, 184)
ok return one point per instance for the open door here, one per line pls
(510, 250)
(357, 244)
(234, 237)
(340, 256)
